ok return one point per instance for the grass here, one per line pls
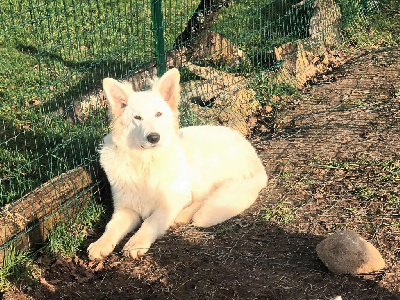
(17, 267)
(274, 94)
(380, 179)
(225, 229)
(66, 239)
(350, 102)
(280, 213)
(53, 53)
(257, 26)
(374, 26)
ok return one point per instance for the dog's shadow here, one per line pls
(246, 257)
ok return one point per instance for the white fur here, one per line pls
(206, 174)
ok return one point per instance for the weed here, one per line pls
(380, 178)
(309, 182)
(275, 94)
(286, 174)
(352, 210)
(17, 267)
(187, 116)
(224, 229)
(280, 213)
(339, 165)
(66, 238)
(339, 227)
(396, 224)
(364, 192)
(354, 102)
(394, 201)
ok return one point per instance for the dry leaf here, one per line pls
(268, 108)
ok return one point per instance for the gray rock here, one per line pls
(345, 252)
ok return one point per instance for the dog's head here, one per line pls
(144, 120)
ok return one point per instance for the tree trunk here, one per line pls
(201, 21)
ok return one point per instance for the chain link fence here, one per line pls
(243, 64)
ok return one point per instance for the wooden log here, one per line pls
(29, 220)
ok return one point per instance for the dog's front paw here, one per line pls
(183, 218)
(134, 248)
(100, 249)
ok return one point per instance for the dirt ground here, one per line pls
(333, 156)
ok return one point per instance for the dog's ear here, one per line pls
(117, 95)
(168, 87)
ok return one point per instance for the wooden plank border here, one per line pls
(28, 221)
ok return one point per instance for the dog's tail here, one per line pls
(230, 199)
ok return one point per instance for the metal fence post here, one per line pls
(158, 29)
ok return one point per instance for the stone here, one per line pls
(346, 252)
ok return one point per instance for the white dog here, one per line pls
(161, 176)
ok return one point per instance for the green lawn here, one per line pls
(51, 53)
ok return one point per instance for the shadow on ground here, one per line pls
(245, 258)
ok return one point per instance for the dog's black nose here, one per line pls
(153, 137)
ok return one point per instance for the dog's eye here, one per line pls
(137, 117)
(159, 114)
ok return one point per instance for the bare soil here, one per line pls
(333, 156)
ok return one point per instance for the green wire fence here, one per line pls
(54, 55)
